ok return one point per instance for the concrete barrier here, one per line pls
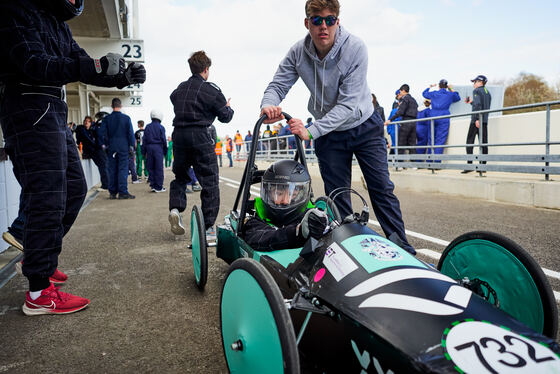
(10, 190)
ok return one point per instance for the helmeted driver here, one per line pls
(284, 217)
(38, 56)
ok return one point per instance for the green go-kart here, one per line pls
(354, 302)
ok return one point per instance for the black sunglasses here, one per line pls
(318, 20)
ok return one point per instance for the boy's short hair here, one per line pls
(316, 6)
(199, 61)
(116, 103)
(405, 88)
(140, 123)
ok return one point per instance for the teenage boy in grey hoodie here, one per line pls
(333, 65)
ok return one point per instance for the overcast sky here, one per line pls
(408, 41)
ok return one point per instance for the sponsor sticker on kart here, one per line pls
(374, 253)
(337, 262)
(483, 348)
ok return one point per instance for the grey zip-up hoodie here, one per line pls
(340, 97)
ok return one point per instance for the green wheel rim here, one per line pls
(321, 203)
(195, 240)
(199, 251)
(486, 260)
(249, 313)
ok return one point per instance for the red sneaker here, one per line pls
(53, 301)
(58, 277)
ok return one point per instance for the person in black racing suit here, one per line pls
(284, 216)
(38, 56)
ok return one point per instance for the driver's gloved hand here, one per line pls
(131, 151)
(315, 223)
(110, 64)
(134, 73)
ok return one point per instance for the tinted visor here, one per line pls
(284, 195)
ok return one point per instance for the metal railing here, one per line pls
(275, 148)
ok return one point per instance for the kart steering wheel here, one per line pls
(362, 218)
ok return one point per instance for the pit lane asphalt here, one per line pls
(146, 314)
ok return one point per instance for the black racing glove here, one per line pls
(111, 64)
(315, 223)
(134, 73)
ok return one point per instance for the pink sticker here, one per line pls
(319, 275)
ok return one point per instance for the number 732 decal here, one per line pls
(481, 347)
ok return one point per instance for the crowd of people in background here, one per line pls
(437, 99)
(53, 188)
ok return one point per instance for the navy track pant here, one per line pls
(48, 167)
(154, 164)
(117, 168)
(335, 150)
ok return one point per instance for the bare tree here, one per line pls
(528, 89)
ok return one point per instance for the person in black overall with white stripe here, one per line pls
(196, 103)
(38, 56)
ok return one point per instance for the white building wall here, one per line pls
(10, 190)
(514, 128)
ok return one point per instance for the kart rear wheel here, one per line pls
(332, 211)
(199, 248)
(257, 332)
(521, 286)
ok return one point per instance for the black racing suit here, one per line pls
(91, 149)
(37, 57)
(481, 101)
(408, 109)
(261, 236)
(197, 103)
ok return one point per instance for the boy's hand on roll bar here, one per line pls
(298, 128)
(274, 114)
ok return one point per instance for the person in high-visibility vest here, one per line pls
(238, 143)
(229, 148)
(219, 150)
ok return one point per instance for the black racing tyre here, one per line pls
(332, 211)
(521, 286)
(257, 331)
(199, 248)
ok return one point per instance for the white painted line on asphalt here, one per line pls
(237, 186)
(552, 273)
(418, 235)
(426, 252)
(230, 180)
(429, 253)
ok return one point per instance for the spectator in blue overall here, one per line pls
(423, 133)
(333, 65)
(117, 137)
(441, 101)
(248, 139)
(38, 56)
(291, 141)
(154, 146)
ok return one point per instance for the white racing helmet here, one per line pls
(156, 114)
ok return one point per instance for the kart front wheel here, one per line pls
(257, 332)
(199, 248)
(508, 273)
